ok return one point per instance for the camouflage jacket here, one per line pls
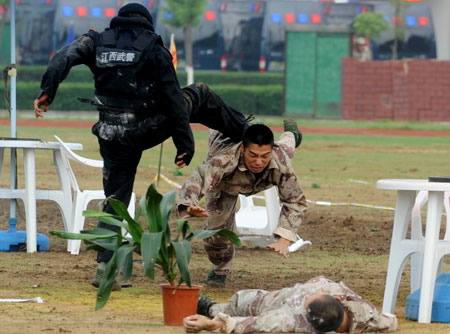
(224, 171)
(284, 310)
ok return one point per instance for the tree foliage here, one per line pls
(370, 24)
(400, 7)
(184, 12)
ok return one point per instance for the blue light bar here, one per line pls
(67, 11)
(411, 20)
(168, 15)
(96, 12)
(302, 18)
(276, 17)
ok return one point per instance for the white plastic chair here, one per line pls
(416, 234)
(256, 224)
(81, 198)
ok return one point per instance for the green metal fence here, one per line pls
(313, 70)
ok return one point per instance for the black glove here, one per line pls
(186, 158)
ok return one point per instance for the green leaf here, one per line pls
(105, 288)
(231, 236)
(125, 260)
(133, 227)
(138, 211)
(170, 264)
(183, 228)
(154, 219)
(120, 208)
(82, 236)
(114, 222)
(150, 246)
(96, 214)
(95, 248)
(143, 208)
(164, 252)
(99, 231)
(104, 244)
(167, 203)
(183, 252)
(203, 234)
(145, 213)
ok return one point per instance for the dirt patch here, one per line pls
(347, 245)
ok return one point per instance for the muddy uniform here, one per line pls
(250, 311)
(224, 176)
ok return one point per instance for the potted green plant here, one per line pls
(156, 246)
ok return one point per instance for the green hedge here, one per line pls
(28, 73)
(82, 74)
(233, 78)
(66, 97)
(257, 100)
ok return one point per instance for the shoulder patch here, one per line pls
(92, 30)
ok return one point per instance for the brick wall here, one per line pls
(415, 89)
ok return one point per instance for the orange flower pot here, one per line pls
(179, 302)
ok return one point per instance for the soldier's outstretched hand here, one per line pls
(197, 211)
(281, 247)
(196, 323)
(43, 100)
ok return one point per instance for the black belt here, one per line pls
(125, 119)
(118, 105)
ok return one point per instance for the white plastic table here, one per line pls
(63, 196)
(401, 247)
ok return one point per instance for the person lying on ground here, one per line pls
(317, 306)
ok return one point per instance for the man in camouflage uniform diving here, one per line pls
(247, 167)
(292, 310)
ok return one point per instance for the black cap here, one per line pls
(135, 8)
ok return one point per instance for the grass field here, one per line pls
(350, 243)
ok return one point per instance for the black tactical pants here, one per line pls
(121, 161)
(207, 108)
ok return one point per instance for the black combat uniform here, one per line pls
(138, 97)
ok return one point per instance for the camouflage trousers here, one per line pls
(253, 302)
(244, 303)
(221, 207)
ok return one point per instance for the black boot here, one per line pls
(291, 126)
(214, 279)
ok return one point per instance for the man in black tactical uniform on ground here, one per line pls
(139, 100)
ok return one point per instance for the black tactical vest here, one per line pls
(122, 76)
